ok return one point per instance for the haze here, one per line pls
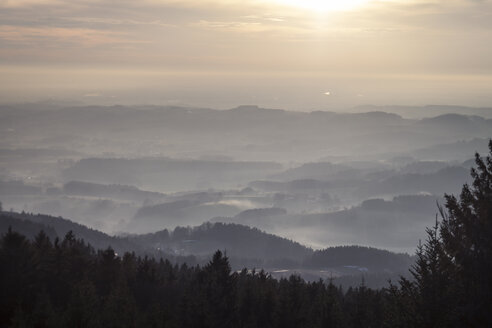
(222, 53)
(278, 130)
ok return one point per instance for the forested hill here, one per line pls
(71, 285)
(365, 258)
(245, 246)
(30, 224)
(239, 241)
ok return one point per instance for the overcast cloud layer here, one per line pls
(222, 53)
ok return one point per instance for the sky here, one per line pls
(292, 54)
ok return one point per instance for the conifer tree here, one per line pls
(466, 233)
(453, 280)
(219, 290)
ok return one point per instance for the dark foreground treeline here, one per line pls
(69, 284)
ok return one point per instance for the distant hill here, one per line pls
(182, 211)
(117, 191)
(448, 179)
(30, 224)
(319, 170)
(238, 240)
(245, 133)
(395, 224)
(294, 185)
(167, 174)
(25, 227)
(459, 150)
(362, 258)
(423, 167)
(245, 246)
(17, 187)
(429, 110)
(460, 123)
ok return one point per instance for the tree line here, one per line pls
(67, 282)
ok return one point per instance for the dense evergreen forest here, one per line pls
(246, 247)
(67, 283)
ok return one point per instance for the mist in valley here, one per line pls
(255, 163)
(319, 178)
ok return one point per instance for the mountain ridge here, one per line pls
(247, 246)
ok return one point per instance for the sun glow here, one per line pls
(324, 5)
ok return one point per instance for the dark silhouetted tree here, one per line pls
(453, 280)
(466, 233)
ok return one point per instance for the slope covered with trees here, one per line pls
(452, 284)
(245, 246)
(69, 283)
(30, 224)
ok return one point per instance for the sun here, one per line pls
(323, 5)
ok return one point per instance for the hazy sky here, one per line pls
(293, 54)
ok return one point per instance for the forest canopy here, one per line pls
(59, 283)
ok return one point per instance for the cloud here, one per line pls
(28, 3)
(82, 36)
(121, 22)
(237, 26)
(394, 38)
(92, 95)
